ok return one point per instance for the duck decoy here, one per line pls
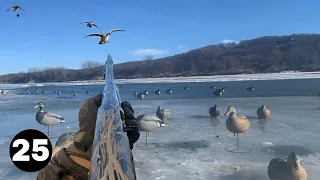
(263, 112)
(16, 7)
(148, 123)
(75, 94)
(221, 90)
(250, 88)
(135, 93)
(218, 93)
(236, 123)
(64, 141)
(145, 92)
(287, 168)
(158, 91)
(214, 111)
(186, 87)
(163, 113)
(104, 37)
(169, 91)
(90, 24)
(213, 87)
(47, 118)
(140, 96)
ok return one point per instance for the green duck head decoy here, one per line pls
(47, 118)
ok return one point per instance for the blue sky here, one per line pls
(48, 34)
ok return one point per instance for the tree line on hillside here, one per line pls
(298, 52)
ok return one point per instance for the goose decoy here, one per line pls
(145, 92)
(47, 118)
(163, 113)
(148, 123)
(186, 87)
(64, 141)
(135, 93)
(14, 8)
(158, 91)
(214, 111)
(236, 123)
(169, 91)
(221, 90)
(90, 24)
(263, 112)
(287, 168)
(250, 88)
(140, 96)
(87, 92)
(104, 37)
(213, 87)
(218, 93)
(75, 94)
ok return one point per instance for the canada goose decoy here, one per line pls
(287, 168)
(163, 113)
(47, 118)
(158, 91)
(213, 87)
(75, 94)
(218, 93)
(221, 90)
(43, 92)
(14, 8)
(135, 93)
(104, 37)
(186, 87)
(140, 96)
(148, 123)
(250, 88)
(263, 112)
(64, 141)
(90, 24)
(145, 92)
(214, 111)
(236, 123)
(169, 91)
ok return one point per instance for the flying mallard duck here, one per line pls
(47, 118)
(104, 37)
(287, 168)
(163, 113)
(263, 112)
(236, 123)
(214, 111)
(90, 24)
(16, 7)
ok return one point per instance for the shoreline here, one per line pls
(217, 78)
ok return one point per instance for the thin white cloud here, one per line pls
(144, 52)
(226, 41)
(181, 47)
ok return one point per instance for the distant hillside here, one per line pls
(298, 52)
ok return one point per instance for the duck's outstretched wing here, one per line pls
(9, 9)
(115, 30)
(96, 26)
(21, 9)
(95, 34)
(84, 22)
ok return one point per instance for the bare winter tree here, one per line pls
(90, 64)
(148, 57)
(34, 70)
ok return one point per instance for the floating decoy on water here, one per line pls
(236, 123)
(287, 168)
(158, 91)
(140, 96)
(47, 118)
(169, 91)
(221, 89)
(90, 24)
(186, 87)
(64, 141)
(250, 88)
(163, 113)
(263, 112)
(135, 93)
(145, 92)
(14, 8)
(104, 37)
(75, 94)
(213, 87)
(148, 123)
(218, 93)
(214, 111)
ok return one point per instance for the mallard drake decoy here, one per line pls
(158, 91)
(140, 96)
(263, 112)
(64, 141)
(214, 111)
(145, 92)
(90, 24)
(148, 123)
(163, 113)
(135, 93)
(47, 118)
(104, 37)
(186, 87)
(14, 8)
(250, 88)
(169, 91)
(287, 168)
(236, 123)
